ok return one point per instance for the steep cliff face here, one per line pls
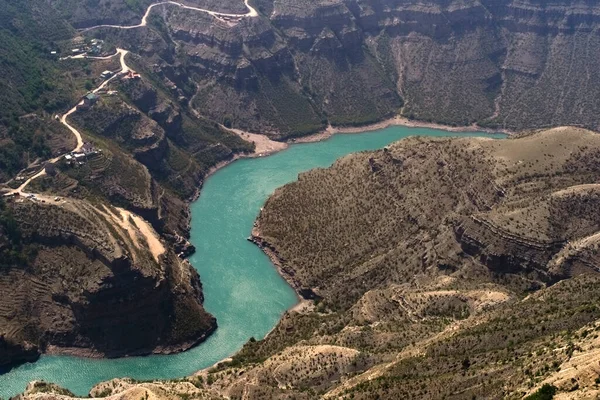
(99, 282)
(298, 67)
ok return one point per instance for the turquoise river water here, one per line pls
(241, 287)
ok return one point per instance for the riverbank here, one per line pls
(402, 121)
(395, 121)
(263, 147)
(88, 352)
(257, 238)
(266, 146)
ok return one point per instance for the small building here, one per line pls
(106, 74)
(96, 49)
(76, 51)
(88, 100)
(132, 75)
(88, 148)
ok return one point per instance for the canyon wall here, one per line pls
(301, 66)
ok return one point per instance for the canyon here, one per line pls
(414, 289)
(210, 75)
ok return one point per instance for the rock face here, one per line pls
(300, 66)
(16, 353)
(96, 283)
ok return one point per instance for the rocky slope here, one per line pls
(92, 280)
(437, 268)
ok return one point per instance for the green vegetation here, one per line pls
(29, 81)
(546, 392)
(27, 36)
(14, 251)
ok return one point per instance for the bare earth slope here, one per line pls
(439, 268)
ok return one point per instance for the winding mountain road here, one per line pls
(250, 14)
(124, 69)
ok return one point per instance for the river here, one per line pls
(242, 289)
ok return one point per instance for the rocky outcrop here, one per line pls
(96, 286)
(16, 353)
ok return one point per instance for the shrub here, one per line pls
(546, 392)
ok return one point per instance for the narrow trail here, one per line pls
(252, 13)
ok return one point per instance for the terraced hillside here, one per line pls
(434, 268)
(90, 280)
